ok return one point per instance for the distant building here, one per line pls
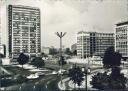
(121, 38)
(74, 47)
(6, 61)
(93, 43)
(24, 30)
(45, 50)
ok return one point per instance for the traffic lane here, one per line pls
(45, 82)
(41, 85)
(28, 84)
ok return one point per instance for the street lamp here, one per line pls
(85, 70)
(60, 35)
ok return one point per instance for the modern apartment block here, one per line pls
(24, 30)
(93, 43)
(83, 44)
(121, 38)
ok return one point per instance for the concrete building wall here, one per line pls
(93, 44)
(24, 30)
(121, 38)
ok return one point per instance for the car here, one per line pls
(32, 76)
(61, 71)
(54, 73)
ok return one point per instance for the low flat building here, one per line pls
(45, 50)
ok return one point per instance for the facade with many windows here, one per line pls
(24, 30)
(121, 38)
(93, 44)
(83, 44)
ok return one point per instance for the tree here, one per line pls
(116, 79)
(44, 55)
(116, 59)
(76, 75)
(100, 81)
(108, 57)
(67, 51)
(74, 52)
(38, 62)
(22, 59)
(53, 51)
(111, 58)
(62, 61)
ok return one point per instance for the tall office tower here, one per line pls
(83, 44)
(93, 43)
(24, 30)
(121, 38)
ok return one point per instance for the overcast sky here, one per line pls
(72, 16)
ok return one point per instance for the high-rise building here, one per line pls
(24, 30)
(121, 38)
(83, 44)
(93, 43)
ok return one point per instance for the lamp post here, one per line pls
(85, 70)
(60, 35)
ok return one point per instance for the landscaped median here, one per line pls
(67, 84)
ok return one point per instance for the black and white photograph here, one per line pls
(63, 45)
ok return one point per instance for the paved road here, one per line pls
(48, 82)
(4, 70)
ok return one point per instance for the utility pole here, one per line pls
(60, 35)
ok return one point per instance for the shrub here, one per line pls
(113, 81)
(100, 81)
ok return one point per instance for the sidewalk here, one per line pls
(64, 85)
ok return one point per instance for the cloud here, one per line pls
(70, 16)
